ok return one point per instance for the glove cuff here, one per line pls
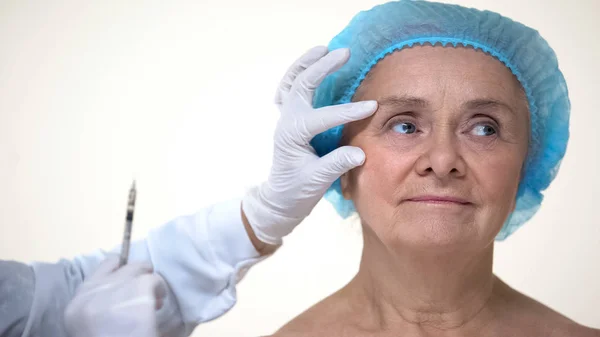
(269, 225)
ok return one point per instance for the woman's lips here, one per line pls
(437, 199)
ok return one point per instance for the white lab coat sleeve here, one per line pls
(201, 257)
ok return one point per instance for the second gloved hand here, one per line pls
(298, 177)
(116, 302)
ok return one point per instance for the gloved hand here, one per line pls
(298, 177)
(116, 302)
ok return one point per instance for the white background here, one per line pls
(179, 96)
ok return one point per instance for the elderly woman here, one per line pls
(471, 125)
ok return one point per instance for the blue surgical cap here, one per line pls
(373, 34)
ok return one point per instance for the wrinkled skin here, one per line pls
(444, 155)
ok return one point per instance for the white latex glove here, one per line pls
(116, 302)
(299, 178)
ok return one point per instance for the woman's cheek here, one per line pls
(497, 173)
(384, 169)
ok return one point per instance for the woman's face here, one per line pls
(444, 150)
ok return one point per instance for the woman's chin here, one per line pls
(433, 233)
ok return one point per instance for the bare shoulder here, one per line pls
(516, 314)
(572, 329)
(575, 330)
(525, 311)
(323, 319)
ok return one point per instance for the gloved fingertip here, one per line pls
(370, 105)
(356, 156)
(356, 111)
(341, 53)
(363, 109)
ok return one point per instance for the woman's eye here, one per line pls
(484, 130)
(405, 128)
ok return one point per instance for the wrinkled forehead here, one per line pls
(454, 74)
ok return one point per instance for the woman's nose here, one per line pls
(442, 156)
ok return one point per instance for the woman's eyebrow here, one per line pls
(407, 101)
(403, 101)
(488, 104)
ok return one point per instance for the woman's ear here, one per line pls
(346, 179)
(345, 183)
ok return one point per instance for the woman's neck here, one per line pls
(424, 291)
